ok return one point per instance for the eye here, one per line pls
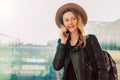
(66, 20)
(74, 18)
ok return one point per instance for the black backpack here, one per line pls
(111, 65)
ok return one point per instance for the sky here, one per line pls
(33, 21)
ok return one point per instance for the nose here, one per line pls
(70, 22)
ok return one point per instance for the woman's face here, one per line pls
(70, 21)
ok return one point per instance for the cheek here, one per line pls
(75, 23)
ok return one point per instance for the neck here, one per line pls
(74, 38)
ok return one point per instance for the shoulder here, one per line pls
(91, 36)
(59, 40)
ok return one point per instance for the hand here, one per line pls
(64, 35)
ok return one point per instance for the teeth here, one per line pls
(71, 26)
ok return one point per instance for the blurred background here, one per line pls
(28, 35)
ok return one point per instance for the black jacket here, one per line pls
(82, 60)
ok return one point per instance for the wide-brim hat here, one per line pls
(75, 6)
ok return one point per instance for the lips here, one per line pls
(70, 26)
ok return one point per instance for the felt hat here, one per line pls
(75, 6)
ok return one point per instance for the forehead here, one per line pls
(68, 14)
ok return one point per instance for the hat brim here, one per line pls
(69, 6)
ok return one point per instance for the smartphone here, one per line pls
(65, 33)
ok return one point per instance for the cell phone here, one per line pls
(65, 33)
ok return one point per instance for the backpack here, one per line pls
(111, 66)
(110, 63)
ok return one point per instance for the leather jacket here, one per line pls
(82, 60)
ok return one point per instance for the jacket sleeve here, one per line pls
(58, 61)
(99, 59)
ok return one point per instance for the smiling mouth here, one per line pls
(70, 26)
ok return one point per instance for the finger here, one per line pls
(63, 28)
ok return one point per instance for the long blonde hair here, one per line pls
(82, 34)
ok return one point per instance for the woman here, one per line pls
(74, 47)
